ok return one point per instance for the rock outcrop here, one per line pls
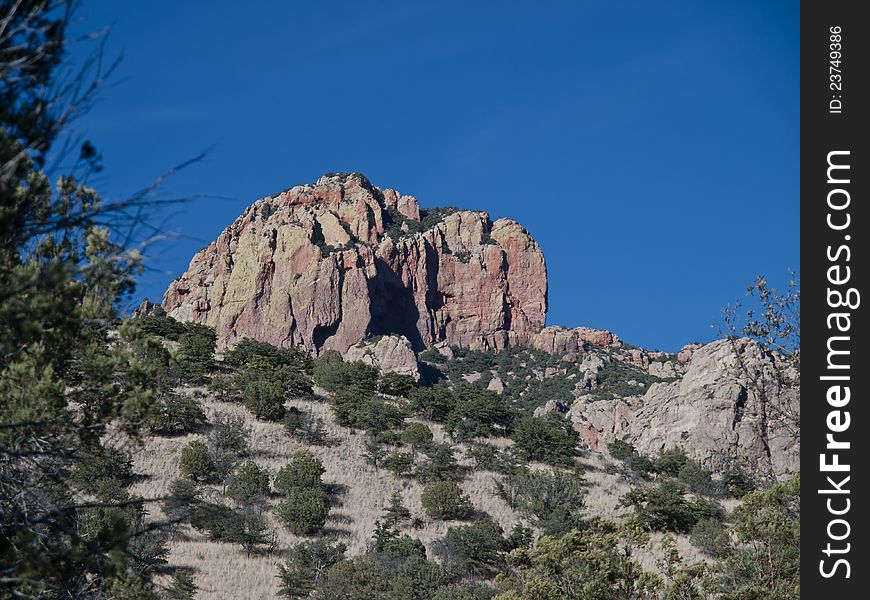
(326, 265)
(718, 411)
(389, 353)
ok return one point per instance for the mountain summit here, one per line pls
(324, 266)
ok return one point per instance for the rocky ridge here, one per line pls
(344, 265)
(324, 266)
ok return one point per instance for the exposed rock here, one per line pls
(390, 354)
(714, 412)
(685, 354)
(445, 350)
(559, 340)
(314, 267)
(496, 385)
(662, 370)
(148, 309)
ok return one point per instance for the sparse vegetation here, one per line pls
(445, 500)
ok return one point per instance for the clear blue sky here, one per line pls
(650, 147)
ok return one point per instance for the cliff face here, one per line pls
(323, 266)
(715, 410)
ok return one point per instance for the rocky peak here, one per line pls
(328, 265)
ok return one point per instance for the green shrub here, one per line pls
(196, 462)
(302, 426)
(552, 441)
(306, 565)
(670, 462)
(251, 485)
(303, 471)
(362, 409)
(230, 434)
(389, 543)
(400, 464)
(244, 351)
(222, 523)
(433, 403)
(549, 496)
(587, 564)
(163, 327)
(710, 537)
(176, 414)
(445, 500)
(441, 464)
(418, 436)
(559, 521)
(698, 479)
(101, 463)
(484, 456)
(478, 413)
(432, 355)
(664, 508)
(736, 483)
(332, 373)
(396, 512)
(183, 494)
(303, 511)
(183, 586)
(195, 354)
(264, 398)
(621, 450)
(476, 549)
(394, 384)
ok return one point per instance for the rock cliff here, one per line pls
(730, 404)
(324, 266)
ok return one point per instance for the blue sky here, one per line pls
(651, 148)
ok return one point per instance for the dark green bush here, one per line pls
(163, 327)
(306, 564)
(394, 384)
(391, 544)
(478, 413)
(400, 464)
(176, 414)
(549, 496)
(664, 507)
(363, 409)
(250, 485)
(418, 436)
(476, 549)
(433, 403)
(264, 398)
(244, 351)
(552, 441)
(230, 434)
(445, 500)
(332, 373)
(670, 462)
(440, 464)
(183, 494)
(196, 462)
(303, 471)
(100, 463)
(304, 427)
(621, 450)
(195, 354)
(303, 510)
(710, 536)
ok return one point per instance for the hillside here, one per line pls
(512, 428)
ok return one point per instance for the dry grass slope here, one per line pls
(224, 571)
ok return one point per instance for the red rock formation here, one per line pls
(323, 266)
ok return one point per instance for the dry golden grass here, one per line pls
(224, 571)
